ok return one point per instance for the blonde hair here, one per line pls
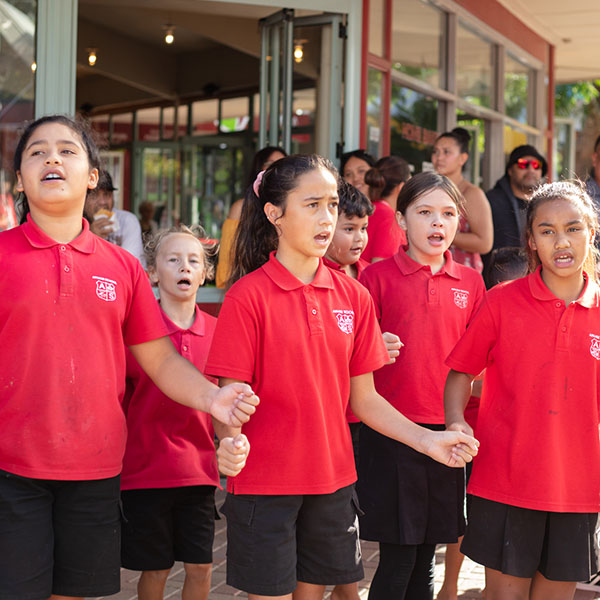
(572, 191)
(152, 246)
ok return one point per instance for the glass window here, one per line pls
(100, 125)
(168, 123)
(376, 24)
(234, 114)
(473, 169)
(516, 88)
(205, 117)
(17, 78)
(474, 68)
(374, 112)
(122, 128)
(418, 40)
(182, 119)
(513, 138)
(148, 124)
(413, 123)
(304, 106)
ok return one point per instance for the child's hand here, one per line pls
(392, 344)
(451, 448)
(460, 426)
(233, 404)
(232, 454)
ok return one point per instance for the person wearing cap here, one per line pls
(121, 227)
(508, 198)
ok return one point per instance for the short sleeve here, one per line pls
(471, 354)
(369, 353)
(143, 321)
(234, 347)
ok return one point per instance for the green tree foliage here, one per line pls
(573, 99)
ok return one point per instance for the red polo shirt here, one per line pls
(65, 311)
(385, 235)
(429, 313)
(168, 444)
(361, 265)
(297, 345)
(538, 416)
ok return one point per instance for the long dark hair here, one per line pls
(256, 237)
(79, 126)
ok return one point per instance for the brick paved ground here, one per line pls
(471, 579)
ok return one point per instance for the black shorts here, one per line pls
(520, 541)
(275, 541)
(58, 537)
(165, 525)
(407, 497)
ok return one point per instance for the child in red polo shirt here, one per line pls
(534, 490)
(69, 302)
(169, 468)
(411, 502)
(306, 336)
(506, 264)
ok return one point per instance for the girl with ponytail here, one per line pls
(307, 338)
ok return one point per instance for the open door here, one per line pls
(276, 80)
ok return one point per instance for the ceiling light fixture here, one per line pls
(92, 58)
(169, 33)
(299, 50)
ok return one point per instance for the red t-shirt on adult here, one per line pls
(66, 311)
(429, 313)
(385, 235)
(538, 415)
(298, 346)
(168, 444)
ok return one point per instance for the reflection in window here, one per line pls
(374, 114)
(476, 127)
(418, 40)
(474, 69)
(516, 88)
(413, 126)
(304, 106)
(376, 37)
(513, 138)
(17, 75)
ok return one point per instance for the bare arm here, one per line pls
(453, 449)
(456, 397)
(181, 381)
(479, 217)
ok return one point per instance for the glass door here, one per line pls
(155, 180)
(285, 39)
(212, 179)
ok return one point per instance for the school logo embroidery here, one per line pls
(345, 320)
(106, 289)
(461, 298)
(595, 346)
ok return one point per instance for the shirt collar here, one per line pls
(332, 264)
(84, 242)
(408, 266)
(197, 328)
(589, 297)
(287, 281)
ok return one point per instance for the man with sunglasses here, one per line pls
(524, 171)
